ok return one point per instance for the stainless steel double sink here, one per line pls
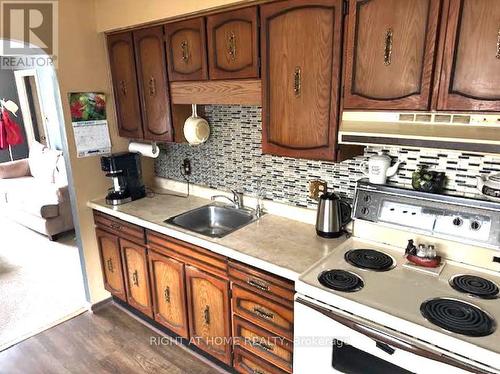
(213, 220)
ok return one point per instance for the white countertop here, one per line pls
(275, 244)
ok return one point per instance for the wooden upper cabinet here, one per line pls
(169, 297)
(470, 78)
(186, 50)
(109, 248)
(123, 71)
(233, 50)
(136, 276)
(153, 84)
(390, 54)
(301, 43)
(209, 315)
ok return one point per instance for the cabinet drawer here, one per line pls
(188, 253)
(247, 363)
(119, 227)
(261, 282)
(264, 312)
(264, 344)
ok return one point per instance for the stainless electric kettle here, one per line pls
(332, 216)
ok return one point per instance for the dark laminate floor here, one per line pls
(108, 341)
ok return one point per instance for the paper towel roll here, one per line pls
(145, 149)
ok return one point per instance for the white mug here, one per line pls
(378, 168)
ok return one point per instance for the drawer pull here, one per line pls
(231, 46)
(263, 346)
(110, 265)
(206, 315)
(263, 313)
(135, 278)
(256, 371)
(297, 81)
(116, 226)
(167, 294)
(257, 284)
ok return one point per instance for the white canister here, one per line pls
(378, 168)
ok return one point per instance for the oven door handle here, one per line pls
(395, 339)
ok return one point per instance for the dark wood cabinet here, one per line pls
(186, 50)
(126, 93)
(470, 78)
(301, 43)
(136, 276)
(111, 263)
(233, 49)
(153, 84)
(169, 293)
(209, 313)
(390, 54)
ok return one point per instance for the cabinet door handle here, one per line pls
(206, 315)
(231, 46)
(110, 265)
(498, 45)
(185, 51)
(135, 278)
(262, 313)
(152, 86)
(256, 371)
(166, 293)
(388, 47)
(258, 284)
(123, 87)
(297, 81)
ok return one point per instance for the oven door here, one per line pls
(328, 340)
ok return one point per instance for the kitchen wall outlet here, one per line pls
(316, 188)
(186, 166)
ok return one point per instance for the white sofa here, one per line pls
(34, 192)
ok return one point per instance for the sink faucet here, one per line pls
(237, 199)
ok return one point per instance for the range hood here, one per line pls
(462, 132)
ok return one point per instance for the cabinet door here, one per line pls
(153, 84)
(123, 73)
(137, 280)
(186, 50)
(390, 54)
(169, 293)
(111, 262)
(209, 315)
(470, 78)
(233, 50)
(301, 49)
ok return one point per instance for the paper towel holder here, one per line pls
(145, 149)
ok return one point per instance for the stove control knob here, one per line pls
(365, 211)
(458, 221)
(367, 199)
(475, 225)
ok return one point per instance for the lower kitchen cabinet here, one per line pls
(168, 291)
(209, 313)
(109, 248)
(136, 279)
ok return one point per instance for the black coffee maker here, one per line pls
(126, 172)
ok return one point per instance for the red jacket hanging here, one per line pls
(3, 134)
(11, 129)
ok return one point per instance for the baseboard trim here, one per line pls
(99, 305)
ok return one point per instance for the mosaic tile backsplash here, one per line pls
(232, 159)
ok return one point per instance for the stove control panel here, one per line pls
(449, 217)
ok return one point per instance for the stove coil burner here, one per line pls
(340, 280)
(369, 259)
(475, 286)
(458, 316)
